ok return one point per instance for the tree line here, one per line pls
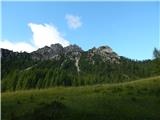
(21, 72)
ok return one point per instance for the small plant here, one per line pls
(96, 90)
(145, 89)
(130, 93)
(129, 87)
(31, 97)
(49, 111)
(139, 92)
(12, 116)
(134, 99)
(116, 90)
(61, 98)
(18, 102)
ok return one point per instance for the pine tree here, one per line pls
(156, 53)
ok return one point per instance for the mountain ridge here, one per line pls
(55, 51)
(69, 66)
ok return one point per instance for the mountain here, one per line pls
(69, 66)
(55, 51)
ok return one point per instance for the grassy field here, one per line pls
(136, 100)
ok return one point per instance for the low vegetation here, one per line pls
(135, 100)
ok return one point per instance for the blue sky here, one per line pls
(129, 28)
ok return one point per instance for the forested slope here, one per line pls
(70, 66)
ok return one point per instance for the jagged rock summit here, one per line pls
(45, 53)
(55, 51)
(72, 48)
(105, 52)
(73, 52)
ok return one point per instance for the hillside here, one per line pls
(70, 66)
(135, 100)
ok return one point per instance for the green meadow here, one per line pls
(135, 100)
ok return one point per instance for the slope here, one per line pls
(70, 66)
(135, 100)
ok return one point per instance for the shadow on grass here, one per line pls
(45, 111)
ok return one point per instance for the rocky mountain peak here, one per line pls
(105, 49)
(56, 46)
(46, 52)
(73, 52)
(106, 53)
(55, 51)
(72, 48)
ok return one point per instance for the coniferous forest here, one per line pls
(20, 71)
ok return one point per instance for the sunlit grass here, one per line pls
(135, 100)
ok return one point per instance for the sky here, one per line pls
(131, 29)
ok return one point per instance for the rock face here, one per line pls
(6, 53)
(55, 51)
(104, 49)
(45, 53)
(73, 52)
(77, 64)
(72, 48)
(105, 52)
(9, 54)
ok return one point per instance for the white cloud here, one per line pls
(46, 35)
(21, 46)
(73, 22)
(42, 35)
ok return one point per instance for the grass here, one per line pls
(136, 100)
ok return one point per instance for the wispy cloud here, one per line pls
(73, 22)
(43, 34)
